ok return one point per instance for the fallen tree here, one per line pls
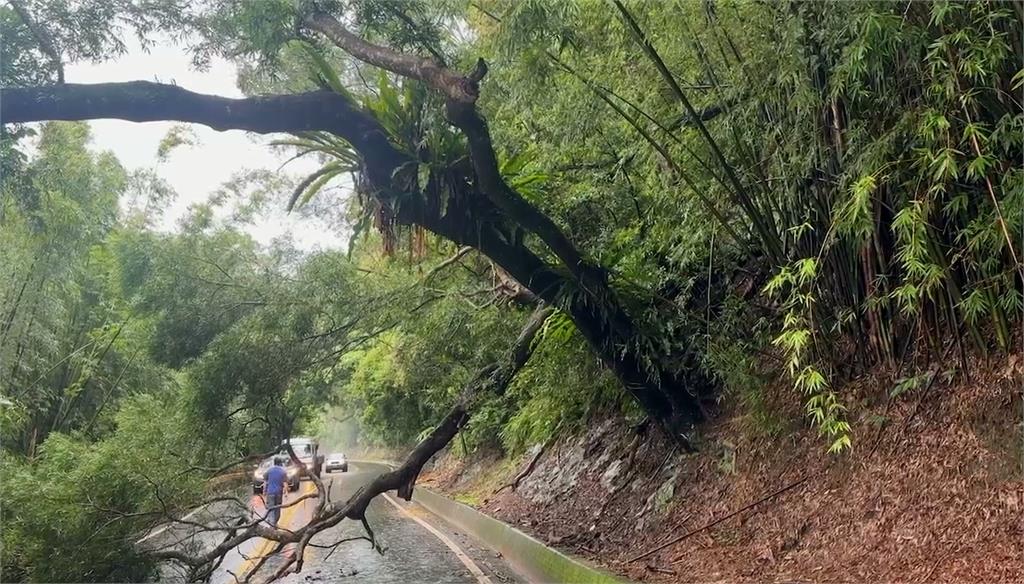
(477, 207)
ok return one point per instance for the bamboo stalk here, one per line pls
(773, 246)
(710, 206)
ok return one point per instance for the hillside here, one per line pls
(926, 495)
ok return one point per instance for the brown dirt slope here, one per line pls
(939, 499)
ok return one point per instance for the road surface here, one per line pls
(418, 546)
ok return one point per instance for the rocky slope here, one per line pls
(932, 491)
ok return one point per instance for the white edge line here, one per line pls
(168, 526)
(465, 559)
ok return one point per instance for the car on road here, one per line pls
(336, 461)
(260, 474)
(308, 452)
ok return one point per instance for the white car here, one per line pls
(260, 474)
(336, 461)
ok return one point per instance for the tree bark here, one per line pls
(493, 185)
(431, 72)
(144, 101)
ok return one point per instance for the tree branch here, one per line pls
(492, 207)
(441, 266)
(488, 174)
(144, 101)
(461, 92)
(453, 85)
(493, 378)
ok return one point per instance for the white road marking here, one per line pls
(465, 559)
(173, 523)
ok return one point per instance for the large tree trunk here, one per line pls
(670, 401)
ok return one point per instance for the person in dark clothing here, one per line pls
(273, 490)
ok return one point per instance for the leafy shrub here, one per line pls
(73, 513)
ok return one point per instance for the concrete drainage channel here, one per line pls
(528, 556)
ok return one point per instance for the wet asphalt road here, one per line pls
(412, 553)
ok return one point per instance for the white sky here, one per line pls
(194, 172)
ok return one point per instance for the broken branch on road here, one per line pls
(489, 380)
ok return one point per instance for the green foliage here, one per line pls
(178, 135)
(827, 185)
(879, 199)
(517, 172)
(120, 343)
(390, 416)
(796, 343)
(733, 354)
(558, 391)
(912, 383)
(403, 381)
(63, 337)
(859, 157)
(90, 30)
(557, 329)
(73, 513)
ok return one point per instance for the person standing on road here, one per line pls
(273, 490)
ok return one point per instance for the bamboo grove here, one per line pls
(861, 158)
(869, 166)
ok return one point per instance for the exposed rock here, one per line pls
(663, 496)
(609, 476)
